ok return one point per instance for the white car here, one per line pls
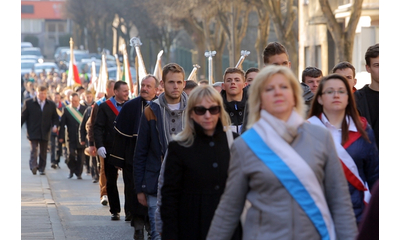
(26, 45)
(27, 66)
(33, 51)
(46, 66)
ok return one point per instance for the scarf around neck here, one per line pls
(287, 130)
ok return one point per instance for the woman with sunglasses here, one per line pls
(196, 168)
(334, 108)
(286, 168)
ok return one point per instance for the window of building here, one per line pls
(27, 9)
(307, 56)
(51, 27)
(318, 56)
(31, 25)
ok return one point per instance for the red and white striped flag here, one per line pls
(73, 73)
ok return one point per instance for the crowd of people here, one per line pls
(258, 155)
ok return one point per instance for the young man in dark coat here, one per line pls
(234, 95)
(41, 117)
(72, 118)
(104, 133)
(161, 119)
(127, 125)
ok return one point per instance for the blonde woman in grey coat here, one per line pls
(288, 169)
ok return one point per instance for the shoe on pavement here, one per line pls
(79, 177)
(104, 200)
(128, 217)
(70, 176)
(41, 173)
(139, 234)
(95, 181)
(53, 165)
(34, 170)
(115, 216)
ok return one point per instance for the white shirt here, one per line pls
(41, 103)
(337, 133)
(175, 106)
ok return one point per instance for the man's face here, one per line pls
(89, 98)
(173, 85)
(312, 82)
(122, 94)
(279, 60)
(250, 77)
(75, 101)
(42, 95)
(374, 69)
(57, 98)
(348, 74)
(233, 84)
(148, 89)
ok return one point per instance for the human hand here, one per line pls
(102, 152)
(142, 199)
(92, 151)
(61, 140)
(54, 129)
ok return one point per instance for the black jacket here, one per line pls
(39, 123)
(103, 128)
(194, 180)
(69, 121)
(235, 109)
(126, 125)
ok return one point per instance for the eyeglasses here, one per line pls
(332, 92)
(202, 110)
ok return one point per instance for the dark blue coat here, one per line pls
(366, 157)
(150, 150)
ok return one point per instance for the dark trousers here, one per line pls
(42, 146)
(55, 149)
(87, 164)
(76, 157)
(112, 189)
(94, 168)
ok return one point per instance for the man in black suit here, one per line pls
(72, 118)
(41, 117)
(104, 132)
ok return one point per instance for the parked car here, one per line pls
(65, 58)
(31, 57)
(112, 73)
(58, 52)
(27, 66)
(32, 51)
(46, 66)
(26, 45)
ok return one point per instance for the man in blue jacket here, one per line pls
(160, 120)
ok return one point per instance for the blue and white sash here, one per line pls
(294, 174)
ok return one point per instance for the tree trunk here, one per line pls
(262, 35)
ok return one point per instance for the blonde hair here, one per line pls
(257, 86)
(186, 137)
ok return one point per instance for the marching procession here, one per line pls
(258, 154)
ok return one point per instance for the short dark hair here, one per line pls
(74, 94)
(344, 65)
(118, 84)
(310, 72)
(233, 70)
(41, 88)
(172, 67)
(372, 52)
(273, 48)
(109, 83)
(190, 84)
(250, 70)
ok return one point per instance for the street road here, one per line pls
(55, 207)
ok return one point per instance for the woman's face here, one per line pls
(277, 97)
(209, 119)
(334, 96)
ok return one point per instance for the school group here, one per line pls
(258, 155)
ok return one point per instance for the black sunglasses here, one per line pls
(202, 110)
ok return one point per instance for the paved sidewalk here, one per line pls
(39, 217)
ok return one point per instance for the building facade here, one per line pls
(45, 21)
(316, 45)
